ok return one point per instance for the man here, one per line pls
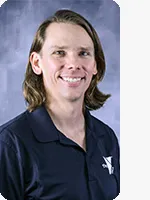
(57, 149)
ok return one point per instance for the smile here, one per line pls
(71, 80)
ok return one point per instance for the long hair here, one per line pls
(33, 86)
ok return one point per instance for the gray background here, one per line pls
(19, 21)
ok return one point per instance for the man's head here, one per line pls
(87, 62)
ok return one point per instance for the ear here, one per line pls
(95, 69)
(35, 63)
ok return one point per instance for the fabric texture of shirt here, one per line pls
(38, 162)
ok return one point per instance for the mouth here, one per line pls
(72, 79)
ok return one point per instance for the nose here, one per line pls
(73, 63)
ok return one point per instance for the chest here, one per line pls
(61, 173)
(65, 171)
(79, 140)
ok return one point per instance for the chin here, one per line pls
(74, 98)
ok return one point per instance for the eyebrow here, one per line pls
(66, 47)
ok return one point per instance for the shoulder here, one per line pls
(16, 139)
(13, 129)
(107, 139)
(102, 129)
(14, 122)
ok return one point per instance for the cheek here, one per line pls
(91, 68)
(49, 67)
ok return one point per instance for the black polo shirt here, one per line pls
(37, 161)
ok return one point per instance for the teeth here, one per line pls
(71, 79)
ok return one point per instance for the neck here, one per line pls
(67, 117)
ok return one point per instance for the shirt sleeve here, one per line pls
(11, 173)
(116, 159)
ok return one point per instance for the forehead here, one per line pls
(67, 34)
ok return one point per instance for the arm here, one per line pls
(116, 158)
(11, 173)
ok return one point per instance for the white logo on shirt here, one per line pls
(108, 164)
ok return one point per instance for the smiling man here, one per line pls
(67, 64)
(56, 149)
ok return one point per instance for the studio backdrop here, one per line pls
(19, 21)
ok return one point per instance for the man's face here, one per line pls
(67, 62)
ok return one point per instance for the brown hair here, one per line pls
(33, 87)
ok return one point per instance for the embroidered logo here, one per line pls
(108, 161)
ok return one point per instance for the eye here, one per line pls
(84, 53)
(61, 53)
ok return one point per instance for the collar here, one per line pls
(44, 129)
(93, 125)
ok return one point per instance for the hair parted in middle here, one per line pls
(33, 86)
